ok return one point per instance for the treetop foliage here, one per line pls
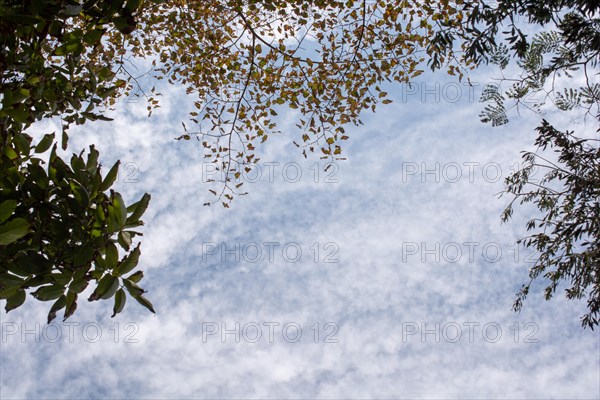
(244, 61)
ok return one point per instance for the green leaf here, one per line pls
(93, 36)
(92, 162)
(133, 288)
(132, 5)
(125, 240)
(110, 177)
(129, 263)
(124, 25)
(111, 256)
(10, 153)
(136, 277)
(111, 290)
(45, 143)
(71, 305)
(13, 230)
(33, 263)
(145, 302)
(16, 300)
(83, 255)
(120, 300)
(120, 208)
(57, 306)
(104, 286)
(69, 47)
(10, 280)
(6, 209)
(46, 293)
(19, 114)
(22, 141)
(78, 285)
(8, 292)
(138, 209)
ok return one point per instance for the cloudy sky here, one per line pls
(388, 276)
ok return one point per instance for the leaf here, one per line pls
(110, 177)
(93, 36)
(111, 290)
(138, 209)
(6, 209)
(105, 285)
(15, 301)
(71, 305)
(120, 209)
(33, 263)
(46, 293)
(136, 277)
(129, 263)
(18, 114)
(13, 230)
(57, 306)
(120, 300)
(111, 256)
(133, 288)
(78, 285)
(124, 239)
(45, 143)
(145, 302)
(69, 47)
(83, 255)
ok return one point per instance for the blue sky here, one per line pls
(408, 296)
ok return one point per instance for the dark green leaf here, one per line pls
(129, 262)
(143, 301)
(111, 256)
(16, 300)
(13, 230)
(120, 300)
(110, 177)
(6, 209)
(138, 209)
(136, 277)
(46, 293)
(45, 143)
(105, 285)
(57, 306)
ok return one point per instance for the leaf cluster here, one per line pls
(61, 221)
(567, 236)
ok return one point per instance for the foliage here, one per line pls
(568, 197)
(246, 60)
(60, 222)
(558, 64)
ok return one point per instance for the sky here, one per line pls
(388, 276)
